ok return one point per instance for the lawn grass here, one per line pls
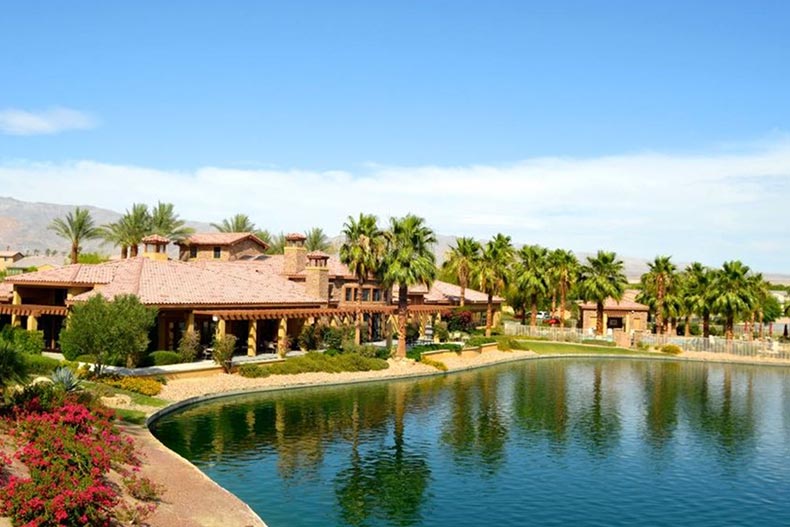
(135, 417)
(102, 390)
(555, 348)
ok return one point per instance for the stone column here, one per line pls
(436, 319)
(220, 330)
(190, 322)
(422, 320)
(32, 322)
(252, 339)
(282, 334)
(17, 301)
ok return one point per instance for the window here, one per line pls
(366, 294)
(377, 295)
(217, 252)
(193, 251)
(348, 294)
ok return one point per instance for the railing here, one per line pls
(747, 348)
(552, 333)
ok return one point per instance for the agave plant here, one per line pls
(65, 379)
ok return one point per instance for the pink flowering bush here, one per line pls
(68, 449)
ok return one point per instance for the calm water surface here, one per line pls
(570, 441)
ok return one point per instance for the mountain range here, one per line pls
(23, 227)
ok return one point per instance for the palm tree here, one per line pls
(760, 292)
(461, 261)
(75, 227)
(565, 272)
(532, 276)
(317, 240)
(493, 272)
(657, 283)
(361, 252)
(602, 277)
(136, 225)
(276, 243)
(697, 293)
(116, 233)
(733, 294)
(408, 260)
(237, 223)
(165, 222)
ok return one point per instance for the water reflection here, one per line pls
(380, 448)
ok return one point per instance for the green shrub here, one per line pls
(367, 350)
(85, 358)
(415, 352)
(31, 342)
(39, 364)
(223, 351)
(253, 371)
(333, 337)
(189, 347)
(596, 342)
(474, 342)
(310, 337)
(142, 488)
(163, 358)
(671, 349)
(315, 362)
(65, 379)
(441, 331)
(143, 385)
(644, 346)
(460, 320)
(439, 365)
(412, 332)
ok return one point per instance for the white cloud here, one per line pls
(14, 121)
(708, 207)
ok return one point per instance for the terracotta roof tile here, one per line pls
(295, 237)
(186, 283)
(628, 303)
(9, 254)
(77, 274)
(155, 238)
(6, 291)
(222, 238)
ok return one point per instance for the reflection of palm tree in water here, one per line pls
(390, 483)
(540, 401)
(661, 384)
(599, 424)
(476, 426)
(731, 425)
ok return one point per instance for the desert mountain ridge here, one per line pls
(23, 227)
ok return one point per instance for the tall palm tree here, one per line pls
(361, 252)
(276, 242)
(733, 294)
(408, 260)
(236, 223)
(137, 225)
(565, 271)
(461, 261)
(697, 292)
(760, 292)
(117, 233)
(317, 240)
(602, 277)
(657, 284)
(165, 222)
(493, 272)
(532, 276)
(75, 228)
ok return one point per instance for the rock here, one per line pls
(117, 400)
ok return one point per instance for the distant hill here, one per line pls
(23, 227)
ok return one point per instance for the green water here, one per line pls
(550, 442)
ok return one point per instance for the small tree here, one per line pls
(108, 330)
(223, 351)
(189, 346)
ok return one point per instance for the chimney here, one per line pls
(317, 281)
(295, 253)
(155, 247)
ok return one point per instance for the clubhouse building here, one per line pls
(224, 283)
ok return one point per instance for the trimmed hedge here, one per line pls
(671, 349)
(142, 385)
(39, 364)
(474, 342)
(315, 362)
(163, 358)
(415, 352)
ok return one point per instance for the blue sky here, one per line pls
(261, 90)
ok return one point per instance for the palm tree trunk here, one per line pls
(729, 325)
(706, 325)
(760, 316)
(524, 315)
(358, 318)
(553, 301)
(463, 291)
(124, 252)
(533, 302)
(687, 326)
(489, 314)
(133, 250)
(75, 252)
(599, 318)
(750, 336)
(403, 301)
(563, 299)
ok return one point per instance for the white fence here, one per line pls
(748, 348)
(552, 333)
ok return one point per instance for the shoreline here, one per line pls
(172, 465)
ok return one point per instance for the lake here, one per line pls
(547, 442)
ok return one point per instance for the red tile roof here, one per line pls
(295, 237)
(155, 238)
(171, 282)
(222, 238)
(628, 303)
(6, 291)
